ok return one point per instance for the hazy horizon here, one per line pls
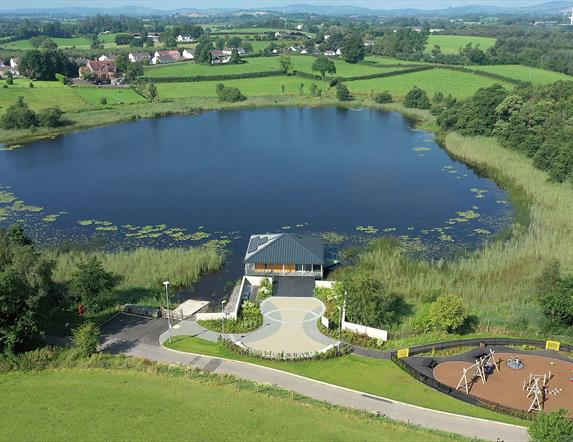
(206, 4)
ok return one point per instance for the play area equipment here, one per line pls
(536, 387)
(515, 363)
(483, 367)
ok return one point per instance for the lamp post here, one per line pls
(223, 317)
(166, 284)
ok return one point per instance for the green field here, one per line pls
(78, 42)
(450, 44)
(459, 84)
(374, 376)
(250, 87)
(525, 73)
(91, 404)
(379, 60)
(113, 95)
(52, 93)
(259, 64)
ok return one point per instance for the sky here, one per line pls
(175, 4)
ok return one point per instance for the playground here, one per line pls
(521, 381)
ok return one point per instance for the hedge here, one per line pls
(195, 78)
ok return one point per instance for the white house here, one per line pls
(107, 57)
(338, 52)
(185, 39)
(164, 57)
(329, 53)
(188, 54)
(14, 61)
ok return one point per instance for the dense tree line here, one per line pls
(535, 120)
(29, 295)
(45, 64)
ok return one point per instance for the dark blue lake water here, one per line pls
(220, 176)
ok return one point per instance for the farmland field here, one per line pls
(258, 64)
(113, 95)
(249, 87)
(379, 60)
(43, 95)
(459, 84)
(525, 73)
(450, 44)
(78, 42)
(128, 405)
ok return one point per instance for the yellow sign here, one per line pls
(552, 345)
(403, 353)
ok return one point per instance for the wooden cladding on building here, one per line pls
(275, 267)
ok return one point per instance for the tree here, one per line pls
(447, 313)
(122, 62)
(323, 65)
(234, 42)
(45, 64)
(51, 117)
(133, 71)
(315, 91)
(19, 116)
(90, 284)
(27, 290)
(235, 58)
(352, 48)
(123, 39)
(557, 304)
(369, 302)
(553, 426)
(417, 99)
(151, 91)
(95, 43)
(286, 63)
(384, 97)
(229, 94)
(203, 50)
(86, 339)
(342, 92)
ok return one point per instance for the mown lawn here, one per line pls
(459, 84)
(74, 404)
(450, 44)
(525, 73)
(379, 60)
(374, 376)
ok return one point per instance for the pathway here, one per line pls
(140, 339)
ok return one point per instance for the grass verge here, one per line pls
(374, 376)
(129, 399)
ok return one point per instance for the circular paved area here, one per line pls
(289, 326)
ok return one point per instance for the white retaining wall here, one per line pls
(210, 316)
(363, 330)
(325, 322)
(324, 284)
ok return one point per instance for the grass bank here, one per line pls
(374, 376)
(129, 399)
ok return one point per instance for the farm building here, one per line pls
(165, 57)
(103, 70)
(285, 254)
(143, 57)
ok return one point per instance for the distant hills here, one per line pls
(552, 7)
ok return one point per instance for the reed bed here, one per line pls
(146, 268)
(499, 283)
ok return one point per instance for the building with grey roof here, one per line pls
(285, 254)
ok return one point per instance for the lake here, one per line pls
(349, 174)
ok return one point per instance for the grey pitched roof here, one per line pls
(285, 248)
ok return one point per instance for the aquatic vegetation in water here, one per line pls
(389, 229)
(367, 229)
(480, 193)
(502, 202)
(199, 236)
(482, 232)
(6, 197)
(85, 222)
(107, 228)
(102, 223)
(422, 149)
(469, 214)
(286, 227)
(51, 218)
(333, 238)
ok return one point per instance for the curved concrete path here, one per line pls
(139, 338)
(289, 327)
